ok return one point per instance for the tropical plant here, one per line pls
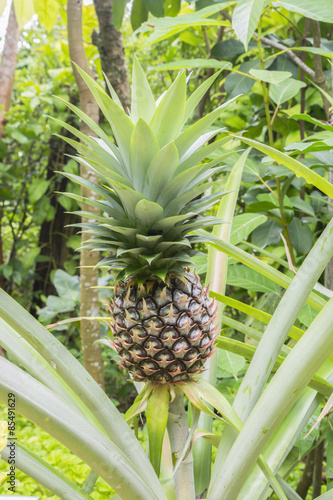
(57, 393)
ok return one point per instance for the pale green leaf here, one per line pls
(142, 100)
(168, 117)
(243, 225)
(194, 63)
(143, 148)
(160, 171)
(3, 4)
(37, 189)
(230, 362)
(187, 138)
(197, 95)
(118, 11)
(319, 11)
(267, 76)
(147, 213)
(24, 10)
(157, 418)
(245, 19)
(244, 277)
(47, 11)
(285, 90)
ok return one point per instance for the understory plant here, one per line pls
(156, 183)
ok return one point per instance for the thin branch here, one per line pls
(293, 57)
(319, 77)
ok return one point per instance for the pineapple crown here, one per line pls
(152, 181)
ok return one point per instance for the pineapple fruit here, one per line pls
(152, 189)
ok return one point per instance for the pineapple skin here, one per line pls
(162, 332)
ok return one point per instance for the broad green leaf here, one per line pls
(243, 277)
(285, 90)
(47, 11)
(245, 19)
(67, 286)
(156, 7)
(319, 11)
(37, 189)
(118, 11)
(314, 121)
(267, 76)
(231, 363)
(302, 205)
(160, 171)
(193, 63)
(187, 20)
(172, 7)
(157, 418)
(147, 213)
(236, 84)
(243, 225)
(297, 167)
(228, 49)
(168, 117)
(307, 315)
(29, 257)
(143, 148)
(24, 10)
(268, 233)
(139, 14)
(142, 100)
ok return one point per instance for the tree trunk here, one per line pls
(8, 66)
(54, 234)
(109, 42)
(90, 331)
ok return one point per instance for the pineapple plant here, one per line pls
(152, 197)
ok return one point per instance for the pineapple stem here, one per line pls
(178, 435)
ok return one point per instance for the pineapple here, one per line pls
(152, 189)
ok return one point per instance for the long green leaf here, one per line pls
(282, 392)
(216, 279)
(142, 100)
(29, 358)
(35, 467)
(157, 418)
(254, 263)
(73, 373)
(295, 333)
(121, 124)
(300, 170)
(168, 116)
(192, 133)
(44, 408)
(143, 148)
(197, 95)
(160, 171)
(245, 19)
